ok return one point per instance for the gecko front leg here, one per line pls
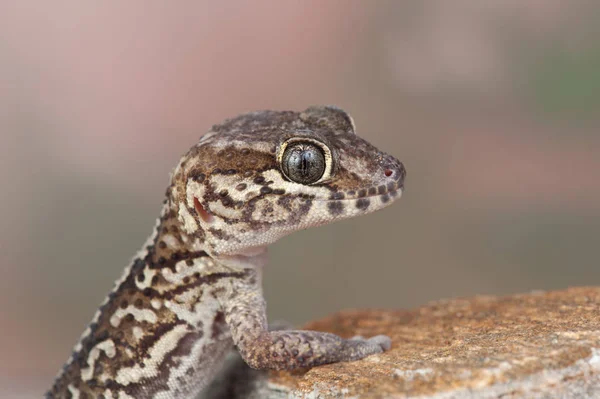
(245, 314)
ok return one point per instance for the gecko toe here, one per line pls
(383, 341)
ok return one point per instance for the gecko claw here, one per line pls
(383, 341)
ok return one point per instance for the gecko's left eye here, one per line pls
(303, 162)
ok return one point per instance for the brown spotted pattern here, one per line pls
(195, 287)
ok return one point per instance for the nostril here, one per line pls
(388, 172)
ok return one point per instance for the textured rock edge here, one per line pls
(537, 345)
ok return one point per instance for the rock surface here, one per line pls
(537, 345)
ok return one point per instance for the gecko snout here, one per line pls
(394, 171)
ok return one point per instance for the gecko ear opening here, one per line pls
(203, 213)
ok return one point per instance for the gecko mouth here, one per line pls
(364, 201)
(391, 189)
(391, 194)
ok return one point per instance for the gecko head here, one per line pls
(258, 177)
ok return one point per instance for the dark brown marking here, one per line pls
(226, 202)
(285, 202)
(363, 203)
(335, 207)
(220, 234)
(199, 177)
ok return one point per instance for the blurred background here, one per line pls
(493, 106)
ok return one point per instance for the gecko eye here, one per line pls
(303, 162)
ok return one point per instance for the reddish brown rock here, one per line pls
(537, 345)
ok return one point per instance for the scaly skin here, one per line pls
(194, 289)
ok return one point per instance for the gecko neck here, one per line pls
(171, 244)
(173, 239)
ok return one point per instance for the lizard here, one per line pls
(194, 289)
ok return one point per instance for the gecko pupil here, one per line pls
(303, 162)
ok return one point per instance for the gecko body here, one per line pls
(194, 290)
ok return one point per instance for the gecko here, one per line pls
(194, 290)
